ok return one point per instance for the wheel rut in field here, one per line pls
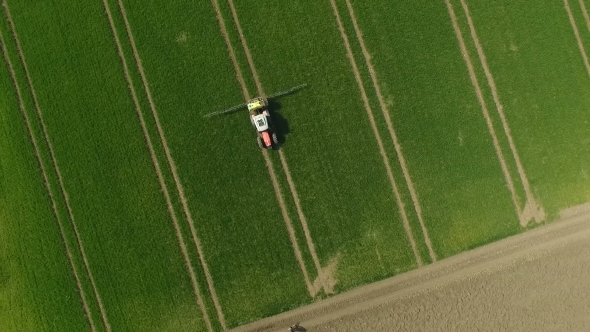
(396, 144)
(230, 49)
(532, 209)
(587, 20)
(159, 173)
(568, 9)
(382, 152)
(327, 288)
(383, 305)
(175, 176)
(48, 187)
(55, 165)
(312, 288)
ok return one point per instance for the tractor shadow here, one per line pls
(298, 328)
(280, 123)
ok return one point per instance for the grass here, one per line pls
(236, 216)
(544, 87)
(332, 153)
(330, 147)
(439, 124)
(386, 136)
(108, 174)
(37, 288)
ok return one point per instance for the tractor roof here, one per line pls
(260, 122)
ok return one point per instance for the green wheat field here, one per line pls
(427, 128)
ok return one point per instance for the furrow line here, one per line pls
(56, 166)
(230, 49)
(396, 144)
(288, 223)
(484, 108)
(175, 176)
(532, 209)
(586, 17)
(48, 186)
(329, 289)
(245, 47)
(313, 289)
(369, 112)
(566, 5)
(159, 173)
(284, 164)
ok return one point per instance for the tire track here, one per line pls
(387, 301)
(245, 46)
(484, 108)
(583, 53)
(159, 173)
(311, 288)
(56, 167)
(175, 175)
(230, 49)
(396, 144)
(587, 19)
(532, 209)
(326, 280)
(47, 185)
(382, 152)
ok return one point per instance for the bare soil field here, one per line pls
(534, 281)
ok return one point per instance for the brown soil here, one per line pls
(394, 187)
(534, 281)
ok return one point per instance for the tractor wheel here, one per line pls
(275, 138)
(260, 142)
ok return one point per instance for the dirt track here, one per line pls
(45, 172)
(369, 111)
(392, 134)
(158, 169)
(535, 281)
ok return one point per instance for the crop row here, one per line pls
(423, 132)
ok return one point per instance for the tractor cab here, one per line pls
(260, 122)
